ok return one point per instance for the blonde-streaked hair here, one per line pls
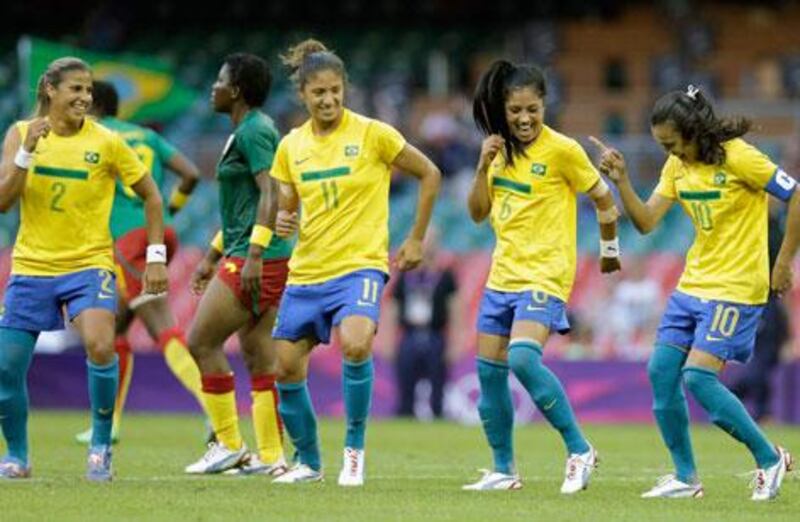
(309, 57)
(53, 76)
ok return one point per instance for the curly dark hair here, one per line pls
(250, 73)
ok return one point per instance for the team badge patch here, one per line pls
(720, 178)
(91, 157)
(538, 169)
(350, 151)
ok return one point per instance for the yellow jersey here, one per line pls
(66, 202)
(534, 215)
(727, 204)
(342, 180)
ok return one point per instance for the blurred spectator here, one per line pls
(427, 311)
(772, 334)
(633, 312)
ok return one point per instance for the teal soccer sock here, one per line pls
(298, 416)
(16, 352)
(357, 380)
(497, 412)
(671, 409)
(525, 360)
(103, 382)
(727, 412)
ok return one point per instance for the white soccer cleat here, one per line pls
(299, 473)
(578, 470)
(494, 481)
(352, 473)
(217, 459)
(670, 487)
(253, 465)
(767, 482)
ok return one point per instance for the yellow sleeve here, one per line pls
(580, 173)
(748, 163)
(129, 168)
(280, 165)
(386, 140)
(666, 183)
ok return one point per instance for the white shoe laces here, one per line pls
(214, 451)
(758, 482)
(352, 460)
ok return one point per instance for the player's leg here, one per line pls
(160, 323)
(495, 406)
(701, 375)
(29, 307)
(258, 350)
(295, 406)
(218, 315)
(16, 352)
(96, 328)
(354, 300)
(125, 357)
(670, 408)
(535, 315)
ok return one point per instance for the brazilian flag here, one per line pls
(147, 87)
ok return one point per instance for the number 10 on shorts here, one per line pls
(725, 320)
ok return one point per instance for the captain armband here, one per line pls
(781, 185)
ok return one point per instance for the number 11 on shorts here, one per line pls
(370, 291)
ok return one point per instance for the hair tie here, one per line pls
(691, 92)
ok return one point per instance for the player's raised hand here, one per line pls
(202, 276)
(489, 149)
(155, 278)
(782, 276)
(612, 162)
(409, 256)
(38, 128)
(286, 223)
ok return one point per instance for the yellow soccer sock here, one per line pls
(220, 400)
(182, 365)
(125, 356)
(266, 421)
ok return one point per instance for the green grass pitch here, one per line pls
(414, 472)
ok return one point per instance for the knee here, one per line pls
(522, 360)
(356, 349)
(696, 380)
(289, 372)
(100, 350)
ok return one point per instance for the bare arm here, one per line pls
(288, 203)
(12, 176)
(188, 173)
(413, 162)
(645, 216)
(155, 273)
(479, 202)
(782, 271)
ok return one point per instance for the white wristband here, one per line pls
(157, 254)
(23, 158)
(609, 248)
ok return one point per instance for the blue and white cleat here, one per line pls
(98, 466)
(669, 486)
(298, 474)
(11, 468)
(494, 481)
(767, 482)
(217, 459)
(578, 470)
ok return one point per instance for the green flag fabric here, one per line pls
(147, 87)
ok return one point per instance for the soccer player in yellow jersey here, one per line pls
(62, 167)
(526, 182)
(722, 183)
(336, 167)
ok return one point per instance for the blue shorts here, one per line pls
(723, 329)
(499, 310)
(313, 310)
(35, 303)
